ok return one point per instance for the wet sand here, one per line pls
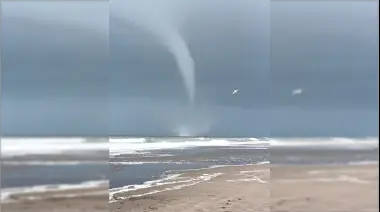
(224, 189)
(324, 188)
(75, 200)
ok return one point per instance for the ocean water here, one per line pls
(316, 151)
(137, 161)
(141, 145)
(34, 175)
(40, 164)
(30, 163)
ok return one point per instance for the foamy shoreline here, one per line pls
(37, 192)
(261, 188)
(238, 188)
(173, 174)
(74, 200)
(169, 179)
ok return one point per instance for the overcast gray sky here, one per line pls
(54, 61)
(330, 49)
(94, 72)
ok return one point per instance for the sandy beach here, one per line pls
(223, 189)
(74, 200)
(324, 188)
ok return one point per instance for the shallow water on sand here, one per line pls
(129, 169)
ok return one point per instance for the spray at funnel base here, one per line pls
(192, 121)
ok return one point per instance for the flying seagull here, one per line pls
(297, 91)
(235, 92)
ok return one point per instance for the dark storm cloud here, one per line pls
(54, 57)
(328, 51)
(229, 42)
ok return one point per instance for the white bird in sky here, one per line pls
(235, 92)
(297, 91)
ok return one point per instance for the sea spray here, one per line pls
(162, 22)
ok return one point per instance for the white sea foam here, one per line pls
(177, 179)
(255, 179)
(130, 146)
(43, 146)
(221, 166)
(167, 180)
(50, 163)
(142, 146)
(341, 143)
(90, 193)
(357, 163)
(147, 184)
(128, 140)
(178, 185)
(253, 171)
(252, 177)
(149, 162)
(7, 192)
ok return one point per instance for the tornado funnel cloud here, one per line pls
(178, 47)
(161, 22)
